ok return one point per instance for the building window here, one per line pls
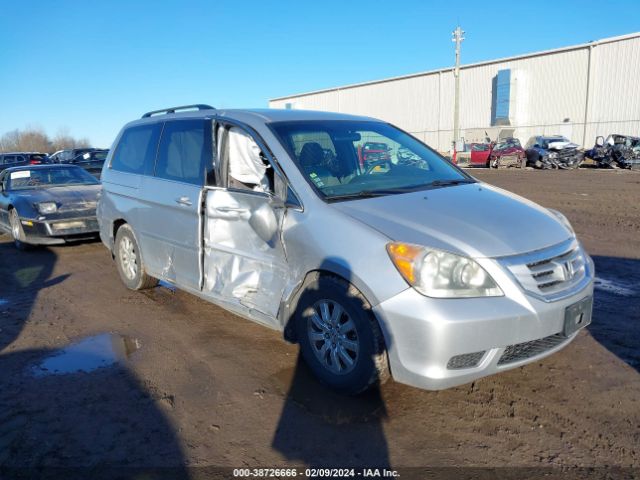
(501, 97)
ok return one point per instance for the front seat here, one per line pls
(312, 161)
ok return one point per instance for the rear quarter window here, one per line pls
(136, 149)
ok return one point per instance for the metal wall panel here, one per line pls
(548, 95)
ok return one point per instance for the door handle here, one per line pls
(184, 201)
(232, 209)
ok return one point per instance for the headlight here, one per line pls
(47, 207)
(553, 155)
(562, 219)
(439, 274)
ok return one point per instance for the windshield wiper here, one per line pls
(363, 194)
(448, 183)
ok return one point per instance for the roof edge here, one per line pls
(469, 65)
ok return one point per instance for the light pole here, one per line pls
(458, 37)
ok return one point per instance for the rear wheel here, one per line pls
(17, 231)
(129, 261)
(339, 337)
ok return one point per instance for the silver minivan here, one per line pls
(356, 240)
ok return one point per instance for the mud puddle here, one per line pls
(87, 355)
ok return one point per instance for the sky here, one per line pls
(88, 67)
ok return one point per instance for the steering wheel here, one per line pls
(376, 163)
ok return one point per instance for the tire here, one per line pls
(17, 232)
(329, 341)
(129, 261)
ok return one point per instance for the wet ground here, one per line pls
(92, 374)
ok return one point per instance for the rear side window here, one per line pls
(136, 149)
(184, 154)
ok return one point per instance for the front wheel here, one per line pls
(129, 261)
(339, 337)
(17, 231)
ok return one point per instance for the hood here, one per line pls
(72, 194)
(476, 219)
(561, 145)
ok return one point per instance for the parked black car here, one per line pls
(19, 159)
(620, 150)
(553, 151)
(48, 204)
(91, 161)
(65, 156)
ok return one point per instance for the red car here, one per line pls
(504, 153)
(372, 152)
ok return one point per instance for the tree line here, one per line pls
(33, 139)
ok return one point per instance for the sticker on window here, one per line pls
(316, 180)
(86, 156)
(21, 174)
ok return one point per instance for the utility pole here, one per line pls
(458, 37)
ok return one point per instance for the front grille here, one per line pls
(522, 351)
(77, 206)
(467, 360)
(74, 227)
(550, 272)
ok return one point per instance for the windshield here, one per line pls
(101, 155)
(547, 141)
(336, 158)
(24, 179)
(510, 143)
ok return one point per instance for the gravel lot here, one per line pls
(198, 386)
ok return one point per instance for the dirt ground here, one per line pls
(202, 387)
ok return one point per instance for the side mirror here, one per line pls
(600, 141)
(264, 222)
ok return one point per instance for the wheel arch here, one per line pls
(289, 305)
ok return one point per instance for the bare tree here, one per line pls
(34, 139)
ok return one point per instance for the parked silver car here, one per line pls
(414, 269)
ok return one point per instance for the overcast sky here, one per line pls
(91, 66)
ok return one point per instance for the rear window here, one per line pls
(136, 150)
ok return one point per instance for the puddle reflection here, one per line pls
(87, 355)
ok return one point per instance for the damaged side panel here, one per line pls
(243, 257)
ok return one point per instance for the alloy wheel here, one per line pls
(15, 225)
(128, 258)
(333, 337)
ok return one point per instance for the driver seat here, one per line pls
(312, 161)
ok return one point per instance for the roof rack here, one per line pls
(166, 111)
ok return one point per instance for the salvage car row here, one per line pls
(91, 159)
(368, 257)
(557, 152)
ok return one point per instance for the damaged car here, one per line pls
(622, 151)
(505, 153)
(553, 151)
(394, 268)
(48, 204)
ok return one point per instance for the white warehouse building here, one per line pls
(580, 92)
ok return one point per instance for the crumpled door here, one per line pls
(242, 264)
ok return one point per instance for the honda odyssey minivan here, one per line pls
(412, 269)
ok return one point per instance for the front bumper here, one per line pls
(429, 340)
(59, 229)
